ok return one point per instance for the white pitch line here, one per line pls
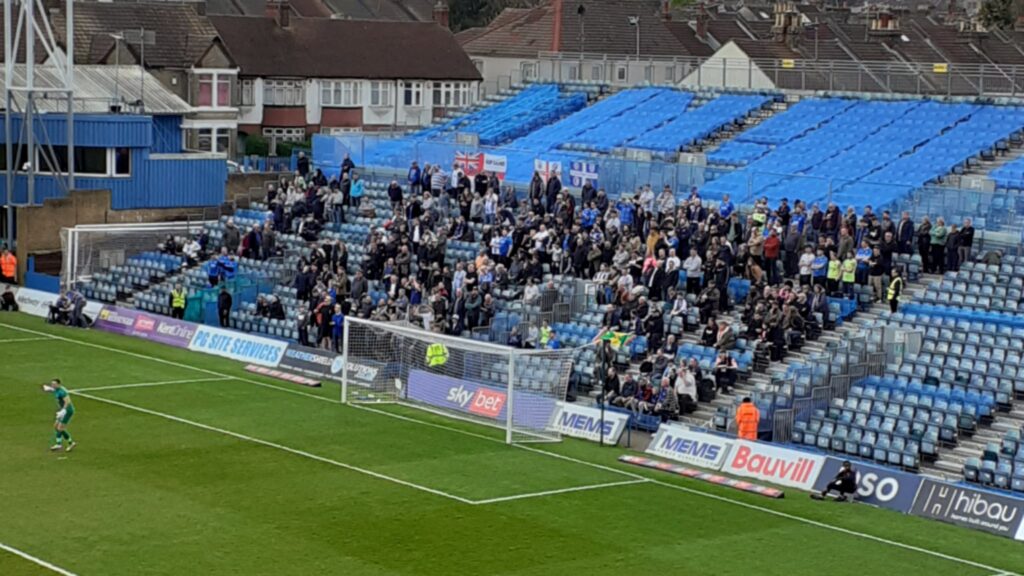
(281, 447)
(558, 491)
(546, 453)
(12, 340)
(148, 384)
(37, 561)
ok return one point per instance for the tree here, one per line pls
(997, 14)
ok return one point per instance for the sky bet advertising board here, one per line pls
(238, 346)
(585, 422)
(531, 410)
(690, 447)
(876, 485)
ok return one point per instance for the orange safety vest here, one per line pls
(747, 417)
(8, 265)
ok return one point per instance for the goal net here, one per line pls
(512, 389)
(91, 248)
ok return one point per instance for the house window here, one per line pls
(574, 72)
(595, 72)
(648, 73)
(413, 94)
(285, 134)
(284, 93)
(380, 93)
(451, 94)
(621, 73)
(247, 93)
(214, 90)
(529, 70)
(339, 93)
(670, 74)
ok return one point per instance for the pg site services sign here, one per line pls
(690, 447)
(585, 422)
(238, 346)
(876, 485)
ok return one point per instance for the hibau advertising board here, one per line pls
(876, 485)
(37, 303)
(966, 506)
(691, 447)
(238, 346)
(585, 422)
(774, 464)
(327, 364)
(162, 329)
(532, 411)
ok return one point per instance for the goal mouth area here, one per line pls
(500, 387)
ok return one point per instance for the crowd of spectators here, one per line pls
(653, 256)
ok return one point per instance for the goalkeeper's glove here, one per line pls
(47, 388)
(61, 413)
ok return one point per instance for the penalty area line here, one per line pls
(37, 561)
(558, 491)
(280, 447)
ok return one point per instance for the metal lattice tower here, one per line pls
(28, 36)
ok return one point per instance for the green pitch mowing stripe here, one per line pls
(147, 495)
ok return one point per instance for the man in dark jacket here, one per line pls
(845, 483)
(303, 165)
(966, 242)
(905, 234)
(554, 188)
(224, 307)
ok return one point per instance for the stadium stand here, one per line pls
(623, 271)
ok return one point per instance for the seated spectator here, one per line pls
(612, 386)
(666, 403)
(627, 392)
(7, 301)
(725, 372)
(725, 338)
(710, 334)
(686, 390)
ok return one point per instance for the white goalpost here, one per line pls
(498, 386)
(91, 248)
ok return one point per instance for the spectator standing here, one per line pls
(224, 307)
(178, 301)
(938, 246)
(8, 267)
(895, 290)
(966, 242)
(725, 372)
(415, 178)
(747, 419)
(905, 234)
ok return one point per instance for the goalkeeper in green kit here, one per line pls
(65, 410)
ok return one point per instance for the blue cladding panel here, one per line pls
(167, 134)
(179, 182)
(93, 130)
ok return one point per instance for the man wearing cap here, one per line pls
(845, 483)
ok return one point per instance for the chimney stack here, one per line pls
(279, 10)
(666, 10)
(702, 23)
(441, 13)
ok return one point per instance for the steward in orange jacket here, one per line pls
(747, 417)
(8, 267)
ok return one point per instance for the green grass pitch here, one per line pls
(206, 469)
